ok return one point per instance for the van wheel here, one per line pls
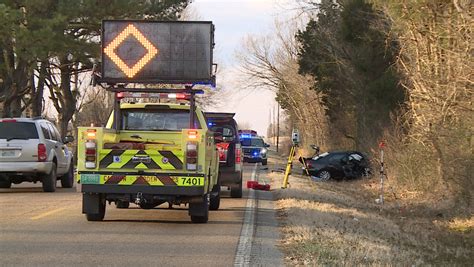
(49, 180)
(215, 200)
(67, 180)
(264, 162)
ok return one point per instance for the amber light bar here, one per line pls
(153, 95)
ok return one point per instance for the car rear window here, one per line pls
(18, 130)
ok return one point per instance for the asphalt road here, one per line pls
(48, 229)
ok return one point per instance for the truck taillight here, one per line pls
(191, 156)
(238, 157)
(42, 155)
(91, 154)
(238, 154)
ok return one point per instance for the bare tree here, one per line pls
(436, 58)
(270, 63)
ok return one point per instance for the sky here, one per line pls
(234, 20)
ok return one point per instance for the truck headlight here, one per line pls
(263, 151)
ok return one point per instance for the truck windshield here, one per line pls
(155, 120)
(252, 142)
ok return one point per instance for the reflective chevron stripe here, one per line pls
(141, 159)
(157, 180)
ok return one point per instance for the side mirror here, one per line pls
(68, 139)
(267, 145)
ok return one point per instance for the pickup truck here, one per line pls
(150, 156)
(228, 145)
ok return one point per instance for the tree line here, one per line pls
(46, 46)
(357, 72)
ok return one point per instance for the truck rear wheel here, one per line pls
(93, 205)
(236, 190)
(200, 211)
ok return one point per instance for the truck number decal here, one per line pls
(191, 181)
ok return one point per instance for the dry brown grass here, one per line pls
(339, 223)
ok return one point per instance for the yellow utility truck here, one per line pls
(152, 153)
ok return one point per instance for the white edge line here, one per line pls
(244, 248)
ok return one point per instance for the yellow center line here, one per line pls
(42, 215)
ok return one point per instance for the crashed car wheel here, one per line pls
(324, 175)
(367, 172)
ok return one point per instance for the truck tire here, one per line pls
(120, 204)
(5, 184)
(49, 180)
(264, 162)
(236, 190)
(94, 202)
(200, 211)
(215, 199)
(67, 180)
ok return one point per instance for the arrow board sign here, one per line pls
(157, 51)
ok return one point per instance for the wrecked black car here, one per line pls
(336, 165)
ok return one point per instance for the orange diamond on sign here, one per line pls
(131, 71)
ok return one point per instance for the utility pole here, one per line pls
(278, 127)
(273, 124)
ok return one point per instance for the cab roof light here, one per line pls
(179, 96)
(8, 120)
(91, 133)
(192, 134)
